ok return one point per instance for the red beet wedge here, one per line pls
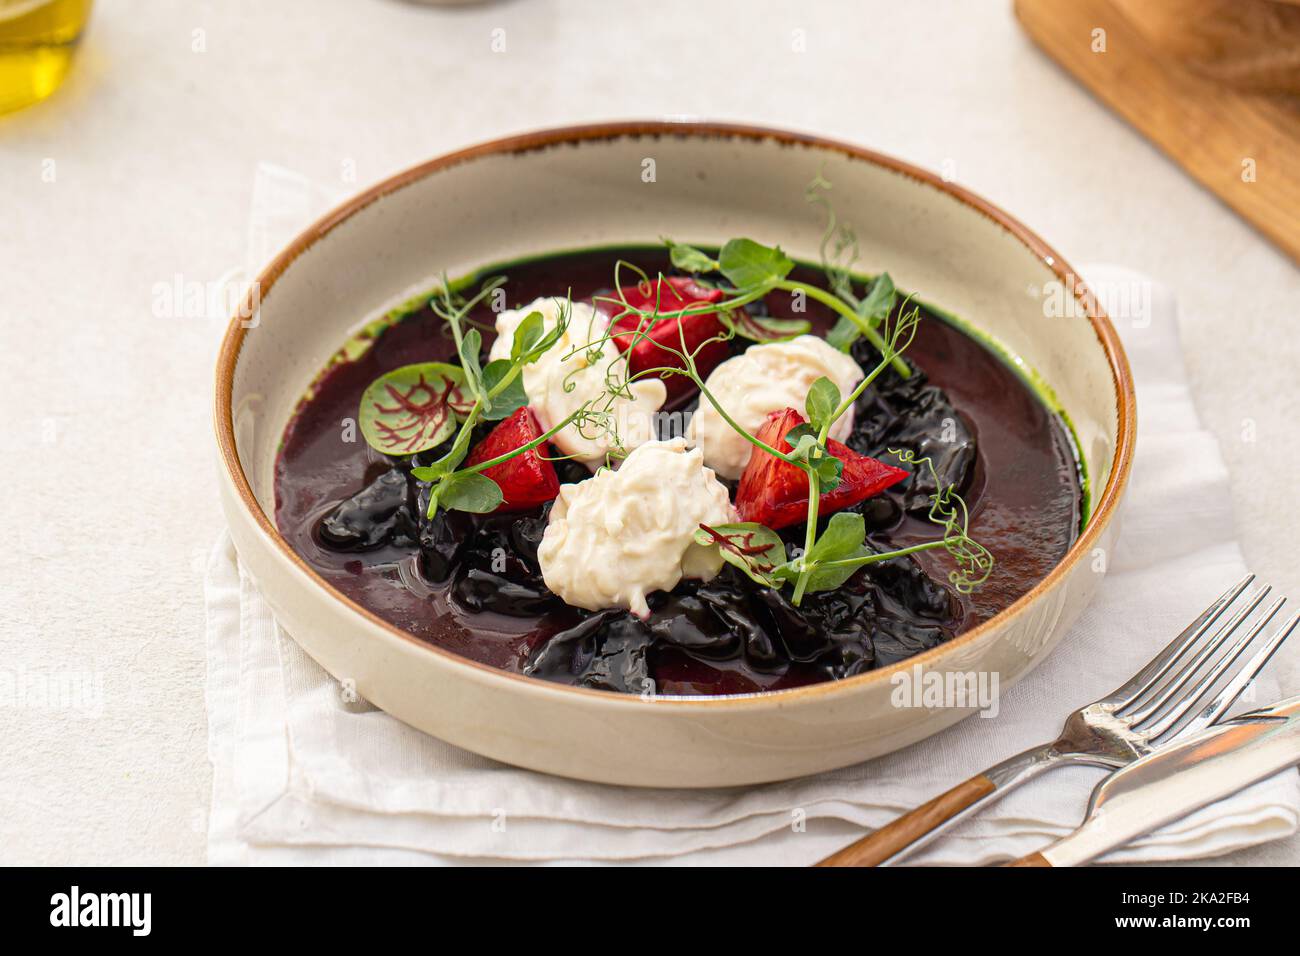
(527, 480)
(775, 493)
(672, 295)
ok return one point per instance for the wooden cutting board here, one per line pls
(1244, 147)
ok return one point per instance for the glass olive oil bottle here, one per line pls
(37, 39)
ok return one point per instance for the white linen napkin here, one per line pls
(302, 775)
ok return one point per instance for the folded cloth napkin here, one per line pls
(303, 775)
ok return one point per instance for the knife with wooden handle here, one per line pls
(918, 827)
(912, 826)
(1175, 780)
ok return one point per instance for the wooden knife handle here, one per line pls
(883, 843)
(1034, 859)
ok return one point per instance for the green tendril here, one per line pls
(949, 510)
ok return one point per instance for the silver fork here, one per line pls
(1156, 705)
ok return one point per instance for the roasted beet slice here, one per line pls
(775, 493)
(527, 480)
(672, 295)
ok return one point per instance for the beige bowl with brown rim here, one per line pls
(631, 183)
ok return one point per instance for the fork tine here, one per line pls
(1184, 703)
(1232, 690)
(1139, 712)
(1159, 665)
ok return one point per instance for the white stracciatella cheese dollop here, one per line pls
(568, 363)
(616, 537)
(762, 380)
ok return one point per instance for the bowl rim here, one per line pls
(535, 141)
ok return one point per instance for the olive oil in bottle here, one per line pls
(37, 39)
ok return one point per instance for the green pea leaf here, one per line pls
(527, 335)
(844, 538)
(747, 263)
(875, 308)
(829, 472)
(754, 548)
(844, 535)
(822, 401)
(880, 300)
(543, 343)
(805, 446)
(843, 334)
(797, 434)
(689, 259)
(413, 408)
(511, 398)
(470, 491)
(822, 578)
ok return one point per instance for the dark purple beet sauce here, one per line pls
(471, 584)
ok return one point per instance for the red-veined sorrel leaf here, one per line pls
(413, 408)
(762, 328)
(754, 548)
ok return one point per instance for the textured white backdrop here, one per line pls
(109, 504)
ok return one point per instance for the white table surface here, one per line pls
(109, 504)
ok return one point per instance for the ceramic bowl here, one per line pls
(632, 183)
